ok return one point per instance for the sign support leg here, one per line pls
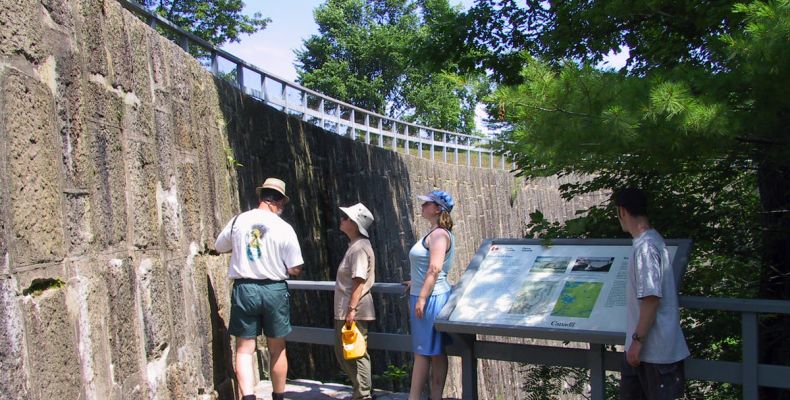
(466, 343)
(597, 371)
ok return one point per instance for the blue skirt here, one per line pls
(425, 340)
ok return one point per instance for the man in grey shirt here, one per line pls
(654, 343)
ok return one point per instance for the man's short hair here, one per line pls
(270, 195)
(633, 200)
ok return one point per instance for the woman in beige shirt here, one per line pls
(353, 301)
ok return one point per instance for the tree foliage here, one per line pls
(660, 34)
(582, 119)
(698, 117)
(374, 54)
(217, 22)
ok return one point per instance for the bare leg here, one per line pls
(438, 375)
(244, 375)
(279, 363)
(419, 374)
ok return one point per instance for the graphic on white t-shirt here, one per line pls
(253, 240)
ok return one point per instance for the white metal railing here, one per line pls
(335, 115)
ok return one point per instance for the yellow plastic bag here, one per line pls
(353, 342)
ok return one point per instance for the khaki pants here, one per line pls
(357, 370)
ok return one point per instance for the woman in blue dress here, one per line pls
(430, 258)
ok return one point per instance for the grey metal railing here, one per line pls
(748, 373)
(335, 115)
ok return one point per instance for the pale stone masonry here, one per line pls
(114, 180)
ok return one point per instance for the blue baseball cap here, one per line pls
(440, 197)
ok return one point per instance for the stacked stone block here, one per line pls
(109, 200)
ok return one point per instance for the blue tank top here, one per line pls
(419, 257)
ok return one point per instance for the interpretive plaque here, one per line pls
(569, 290)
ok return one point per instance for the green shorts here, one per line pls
(257, 305)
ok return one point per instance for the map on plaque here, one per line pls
(567, 286)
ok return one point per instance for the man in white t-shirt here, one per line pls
(654, 342)
(265, 252)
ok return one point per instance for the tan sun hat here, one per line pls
(361, 215)
(274, 184)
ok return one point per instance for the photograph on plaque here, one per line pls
(554, 265)
(534, 298)
(577, 299)
(593, 264)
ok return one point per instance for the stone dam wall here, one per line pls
(115, 181)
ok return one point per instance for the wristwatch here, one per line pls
(636, 337)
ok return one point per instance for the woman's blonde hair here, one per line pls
(445, 221)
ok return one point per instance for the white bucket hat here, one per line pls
(361, 216)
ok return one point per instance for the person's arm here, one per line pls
(406, 287)
(293, 260)
(648, 290)
(224, 241)
(353, 302)
(648, 307)
(439, 242)
(295, 271)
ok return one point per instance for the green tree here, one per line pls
(660, 34)
(217, 22)
(698, 117)
(372, 54)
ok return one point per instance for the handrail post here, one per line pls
(419, 138)
(214, 64)
(337, 117)
(185, 43)
(432, 145)
(367, 128)
(381, 133)
(597, 371)
(406, 141)
(394, 136)
(284, 94)
(322, 112)
(264, 90)
(749, 353)
(304, 105)
(457, 143)
(352, 124)
(444, 146)
(469, 154)
(240, 77)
